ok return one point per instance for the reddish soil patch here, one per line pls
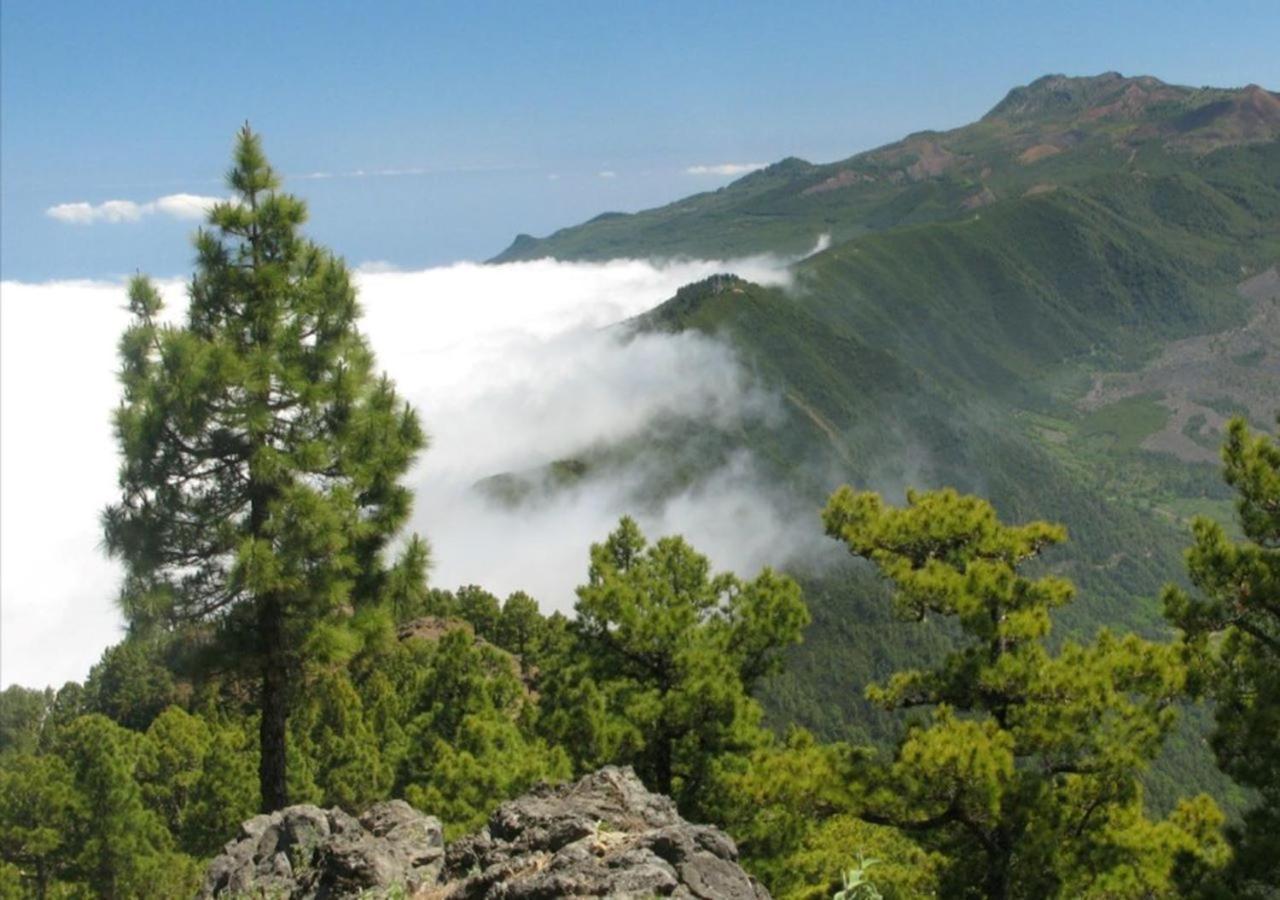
(1133, 102)
(842, 179)
(931, 160)
(984, 197)
(1037, 153)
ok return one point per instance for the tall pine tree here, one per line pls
(1232, 625)
(1027, 774)
(670, 654)
(261, 451)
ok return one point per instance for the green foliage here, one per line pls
(791, 812)
(130, 685)
(1127, 422)
(671, 655)
(454, 724)
(1232, 627)
(515, 624)
(1027, 774)
(479, 607)
(123, 849)
(69, 703)
(22, 718)
(40, 810)
(659, 665)
(520, 627)
(170, 763)
(330, 729)
(226, 792)
(405, 586)
(487, 757)
(11, 887)
(261, 450)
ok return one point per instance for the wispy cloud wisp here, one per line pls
(724, 169)
(178, 206)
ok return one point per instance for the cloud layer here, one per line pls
(511, 367)
(188, 207)
(724, 169)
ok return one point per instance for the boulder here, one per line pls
(602, 836)
(307, 852)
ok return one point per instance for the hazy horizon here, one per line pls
(425, 136)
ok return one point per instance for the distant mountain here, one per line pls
(1057, 306)
(1055, 132)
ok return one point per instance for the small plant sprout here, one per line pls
(855, 884)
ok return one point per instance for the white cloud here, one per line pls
(821, 246)
(178, 206)
(510, 367)
(184, 206)
(72, 213)
(724, 169)
(365, 173)
(57, 471)
(607, 173)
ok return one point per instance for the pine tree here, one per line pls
(130, 685)
(123, 847)
(670, 655)
(224, 794)
(1028, 773)
(23, 713)
(1232, 624)
(39, 808)
(261, 452)
(170, 762)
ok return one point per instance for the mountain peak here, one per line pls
(1196, 120)
(1052, 96)
(693, 302)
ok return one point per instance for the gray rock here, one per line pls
(305, 852)
(603, 836)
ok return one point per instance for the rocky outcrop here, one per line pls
(307, 852)
(603, 836)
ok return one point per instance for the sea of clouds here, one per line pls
(510, 367)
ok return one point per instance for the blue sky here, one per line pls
(503, 117)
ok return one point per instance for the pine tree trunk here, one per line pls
(663, 763)
(272, 766)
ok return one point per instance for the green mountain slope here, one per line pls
(1053, 133)
(1022, 308)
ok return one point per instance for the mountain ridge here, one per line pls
(1056, 131)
